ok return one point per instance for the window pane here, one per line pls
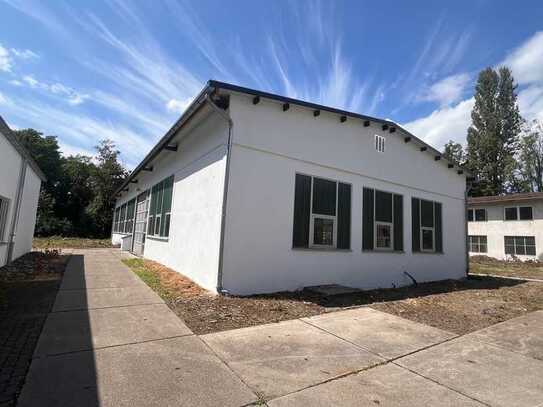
(324, 197)
(470, 215)
(510, 213)
(151, 226)
(530, 240)
(526, 213)
(427, 239)
(323, 232)
(384, 239)
(480, 215)
(427, 213)
(167, 225)
(509, 249)
(383, 206)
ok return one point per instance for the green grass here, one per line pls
(149, 277)
(59, 242)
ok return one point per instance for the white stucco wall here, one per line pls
(10, 167)
(27, 215)
(495, 228)
(199, 170)
(270, 146)
(10, 164)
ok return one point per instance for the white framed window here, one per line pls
(477, 244)
(323, 224)
(520, 245)
(157, 225)
(477, 215)
(380, 143)
(383, 235)
(427, 226)
(4, 206)
(518, 213)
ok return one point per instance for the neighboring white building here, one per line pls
(506, 226)
(251, 192)
(20, 182)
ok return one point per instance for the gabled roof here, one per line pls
(213, 86)
(526, 196)
(12, 138)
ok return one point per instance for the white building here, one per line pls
(506, 226)
(251, 192)
(20, 182)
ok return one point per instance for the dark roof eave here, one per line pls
(170, 134)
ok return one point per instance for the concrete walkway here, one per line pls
(111, 341)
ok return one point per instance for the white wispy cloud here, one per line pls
(24, 53)
(442, 125)
(5, 59)
(178, 106)
(67, 93)
(446, 91)
(452, 122)
(3, 99)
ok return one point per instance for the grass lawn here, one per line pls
(455, 306)
(488, 265)
(59, 242)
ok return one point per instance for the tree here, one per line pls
(531, 156)
(493, 136)
(454, 153)
(106, 178)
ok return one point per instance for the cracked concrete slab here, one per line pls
(277, 359)
(387, 385)
(70, 300)
(92, 329)
(171, 372)
(381, 333)
(485, 372)
(522, 335)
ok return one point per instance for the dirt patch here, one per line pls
(59, 242)
(456, 306)
(28, 289)
(488, 265)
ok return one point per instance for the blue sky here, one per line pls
(125, 70)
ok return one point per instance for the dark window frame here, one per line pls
(520, 245)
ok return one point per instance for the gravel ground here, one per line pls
(456, 306)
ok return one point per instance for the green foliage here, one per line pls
(531, 156)
(149, 277)
(77, 198)
(454, 153)
(493, 136)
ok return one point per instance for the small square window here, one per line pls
(383, 236)
(525, 213)
(323, 231)
(511, 213)
(480, 215)
(427, 238)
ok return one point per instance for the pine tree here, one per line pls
(493, 136)
(531, 157)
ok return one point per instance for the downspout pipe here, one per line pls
(16, 209)
(222, 113)
(466, 230)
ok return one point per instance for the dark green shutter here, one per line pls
(398, 222)
(344, 216)
(367, 218)
(438, 227)
(166, 203)
(302, 208)
(415, 224)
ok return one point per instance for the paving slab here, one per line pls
(384, 334)
(277, 359)
(171, 372)
(388, 385)
(101, 280)
(522, 335)
(482, 371)
(93, 329)
(71, 300)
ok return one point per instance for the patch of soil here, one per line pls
(28, 289)
(513, 268)
(456, 306)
